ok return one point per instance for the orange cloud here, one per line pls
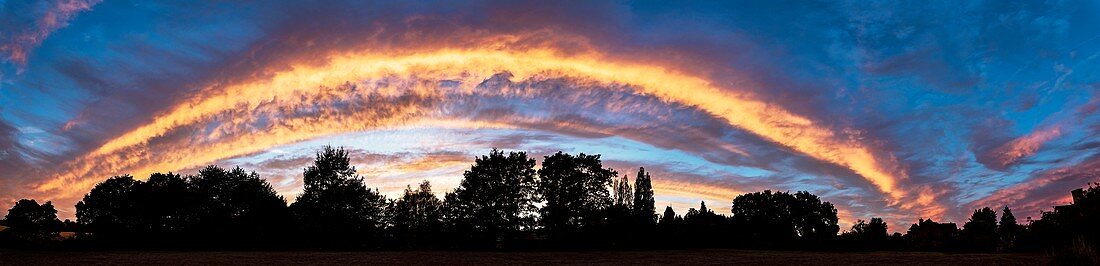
(373, 82)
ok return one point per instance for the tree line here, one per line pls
(502, 202)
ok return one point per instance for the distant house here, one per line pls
(932, 236)
(1071, 209)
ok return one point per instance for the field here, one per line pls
(752, 257)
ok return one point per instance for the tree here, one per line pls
(1008, 230)
(643, 198)
(704, 228)
(1068, 229)
(669, 230)
(495, 199)
(575, 191)
(871, 234)
(774, 218)
(621, 228)
(623, 195)
(980, 232)
(417, 216)
(164, 205)
(109, 209)
(813, 218)
(877, 229)
(30, 221)
(335, 204)
(236, 206)
(668, 217)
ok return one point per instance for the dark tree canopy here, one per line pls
(237, 203)
(1068, 227)
(335, 203)
(703, 227)
(980, 232)
(575, 191)
(495, 199)
(164, 204)
(669, 216)
(234, 207)
(30, 221)
(418, 216)
(873, 232)
(583, 205)
(783, 217)
(623, 195)
(1008, 230)
(109, 207)
(644, 207)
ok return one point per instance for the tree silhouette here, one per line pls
(873, 230)
(32, 222)
(575, 191)
(621, 225)
(495, 199)
(335, 204)
(780, 217)
(237, 206)
(495, 203)
(868, 234)
(669, 217)
(704, 228)
(417, 216)
(643, 198)
(164, 205)
(623, 195)
(109, 209)
(980, 232)
(669, 230)
(1008, 230)
(814, 219)
(1068, 231)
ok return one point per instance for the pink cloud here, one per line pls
(1046, 189)
(57, 16)
(1025, 146)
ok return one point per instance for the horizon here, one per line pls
(878, 109)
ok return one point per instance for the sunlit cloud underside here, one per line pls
(879, 112)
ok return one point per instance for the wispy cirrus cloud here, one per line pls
(1011, 152)
(942, 104)
(474, 67)
(46, 17)
(1045, 189)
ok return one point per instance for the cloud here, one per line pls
(174, 77)
(1013, 151)
(16, 164)
(467, 68)
(1045, 188)
(10, 148)
(874, 105)
(49, 16)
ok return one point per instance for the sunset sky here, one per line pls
(902, 111)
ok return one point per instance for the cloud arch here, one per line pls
(380, 89)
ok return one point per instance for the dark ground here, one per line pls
(694, 257)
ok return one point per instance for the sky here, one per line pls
(901, 110)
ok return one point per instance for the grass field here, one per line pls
(695, 257)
